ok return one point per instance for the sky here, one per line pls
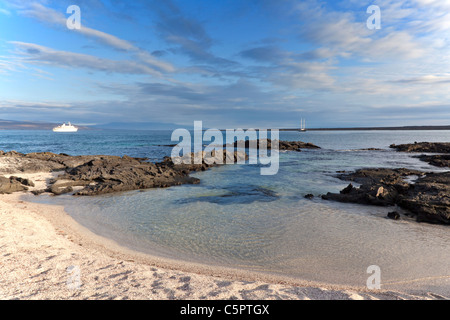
(228, 63)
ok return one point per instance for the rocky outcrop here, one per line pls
(100, 174)
(13, 161)
(437, 160)
(441, 159)
(431, 147)
(427, 198)
(13, 184)
(378, 186)
(110, 174)
(282, 145)
(296, 145)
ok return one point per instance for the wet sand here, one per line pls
(45, 254)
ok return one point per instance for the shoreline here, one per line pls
(7, 125)
(406, 128)
(40, 242)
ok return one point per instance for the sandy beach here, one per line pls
(45, 254)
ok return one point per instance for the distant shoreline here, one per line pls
(407, 128)
(375, 128)
(28, 125)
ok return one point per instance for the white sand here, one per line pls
(45, 254)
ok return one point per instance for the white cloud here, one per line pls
(430, 79)
(45, 14)
(346, 36)
(20, 104)
(4, 11)
(37, 54)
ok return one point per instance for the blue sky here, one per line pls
(229, 63)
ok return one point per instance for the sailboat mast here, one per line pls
(302, 124)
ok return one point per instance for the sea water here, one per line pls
(238, 218)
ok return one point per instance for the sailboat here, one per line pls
(302, 125)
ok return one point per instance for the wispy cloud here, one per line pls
(18, 104)
(185, 34)
(4, 11)
(347, 36)
(37, 54)
(50, 16)
(426, 80)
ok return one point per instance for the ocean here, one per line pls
(238, 218)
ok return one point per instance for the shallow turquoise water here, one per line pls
(236, 217)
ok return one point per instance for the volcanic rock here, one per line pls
(10, 185)
(267, 143)
(393, 215)
(431, 147)
(427, 198)
(108, 174)
(99, 174)
(437, 160)
(442, 159)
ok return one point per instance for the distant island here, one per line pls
(35, 125)
(30, 125)
(374, 128)
(364, 128)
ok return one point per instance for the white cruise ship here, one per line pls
(65, 128)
